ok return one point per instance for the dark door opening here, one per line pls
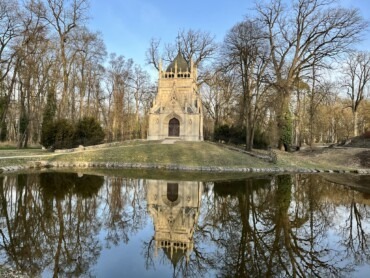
(174, 127)
(172, 191)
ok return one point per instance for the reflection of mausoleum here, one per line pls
(177, 109)
(174, 207)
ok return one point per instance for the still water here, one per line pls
(82, 225)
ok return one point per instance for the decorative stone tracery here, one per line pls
(177, 98)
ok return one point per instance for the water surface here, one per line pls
(83, 225)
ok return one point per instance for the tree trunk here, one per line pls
(355, 123)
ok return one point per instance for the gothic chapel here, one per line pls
(177, 108)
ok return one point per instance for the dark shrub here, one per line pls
(64, 134)
(222, 133)
(3, 132)
(233, 134)
(260, 140)
(88, 132)
(366, 134)
(237, 135)
(58, 134)
(48, 134)
(3, 129)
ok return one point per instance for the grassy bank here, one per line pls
(186, 154)
(144, 152)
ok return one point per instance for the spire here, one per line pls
(178, 43)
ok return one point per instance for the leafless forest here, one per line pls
(289, 75)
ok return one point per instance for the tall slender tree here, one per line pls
(246, 52)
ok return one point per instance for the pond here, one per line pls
(121, 225)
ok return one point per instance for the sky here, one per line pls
(128, 25)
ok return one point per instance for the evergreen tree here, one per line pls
(88, 132)
(47, 130)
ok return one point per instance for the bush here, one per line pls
(237, 135)
(260, 140)
(366, 134)
(222, 133)
(62, 134)
(48, 134)
(234, 135)
(88, 132)
(3, 132)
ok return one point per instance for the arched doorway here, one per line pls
(172, 191)
(174, 127)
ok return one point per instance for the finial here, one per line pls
(178, 42)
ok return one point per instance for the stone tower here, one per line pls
(177, 108)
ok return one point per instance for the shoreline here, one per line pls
(39, 165)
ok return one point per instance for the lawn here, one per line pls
(188, 154)
(180, 153)
(183, 154)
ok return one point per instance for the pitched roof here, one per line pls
(182, 65)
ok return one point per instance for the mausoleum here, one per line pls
(177, 108)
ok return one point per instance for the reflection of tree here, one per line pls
(271, 227)
(244, 253)
(296, 249)
(21, 229)
(48, 226)
(355, 238)
(125, 212)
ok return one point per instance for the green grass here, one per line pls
(22, 152)
(13, 156)
(190, 154)
(180, 153)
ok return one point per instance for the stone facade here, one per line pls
(177, 109)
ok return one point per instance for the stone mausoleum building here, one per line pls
(177, 108)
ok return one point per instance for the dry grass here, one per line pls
(325, 158)
(193, 154)
(180, 153)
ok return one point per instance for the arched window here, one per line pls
(174, 127)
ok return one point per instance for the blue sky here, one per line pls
(128, 25)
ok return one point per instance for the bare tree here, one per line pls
(9, 30)
(219, 92)
(118, 77)
(141, 87)
(196, 45)
(89, 53)
(31, 50)
(307, 31)
(152, 53)
(246, 52)
(64, 16)
(357, 77)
